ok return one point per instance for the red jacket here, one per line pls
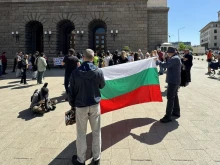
(3, 58)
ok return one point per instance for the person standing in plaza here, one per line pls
(173, 79)
(141, 55)
(209, 60)
(188, 63)
(160, 56)
(96, 60)
(70, 62)
(123, 58)
(15, 62)
(34, 67)
(84, 94)
(107, 59)
(24, 67)
(19, 64)
(115, 57)
(131, 57)
(41, 68)
(4, 62)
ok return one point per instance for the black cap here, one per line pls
(171, 50)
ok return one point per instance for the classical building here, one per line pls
(54, 26)
(210, 35)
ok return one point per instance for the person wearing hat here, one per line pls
(173, 79)
(40, 102)
(188, 63)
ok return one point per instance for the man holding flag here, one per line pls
(173, 79)
(84, 94)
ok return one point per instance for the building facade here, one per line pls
(54, 26)
(210, 35)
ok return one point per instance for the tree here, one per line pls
(182, 46)
(126, 48)
(189, 47)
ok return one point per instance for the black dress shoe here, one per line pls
(165, 119)
(75, 161)
(97, 162)
(176, 115)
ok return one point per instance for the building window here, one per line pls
(215, 37)
(215, 44)
(215, 31)
(216, 25)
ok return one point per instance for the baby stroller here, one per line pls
(214, 66)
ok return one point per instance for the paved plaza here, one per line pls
(131, 136)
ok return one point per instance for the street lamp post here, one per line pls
(179, 33)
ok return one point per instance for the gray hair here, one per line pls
(89, 54)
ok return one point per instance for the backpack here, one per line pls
(36, 91)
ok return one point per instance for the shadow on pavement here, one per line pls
(111, 134)
(214, 78)
(27, 114)
(7, 86)
(14, 82)
(156, 129)
(22, 87)
(60, 98)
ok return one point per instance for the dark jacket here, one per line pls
(189, 62)
(173, 66)
(85, 84)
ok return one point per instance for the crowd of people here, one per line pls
(23, 63)
(84, 79)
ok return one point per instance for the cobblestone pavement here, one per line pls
(131, 136)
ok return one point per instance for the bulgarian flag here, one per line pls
(129, 84)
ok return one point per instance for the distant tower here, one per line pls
(219, 16)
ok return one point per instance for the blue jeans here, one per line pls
(40, 76)
(172, 100)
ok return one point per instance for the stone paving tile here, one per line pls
(141, 162)
(183, 162)
(160, 156)
(44, 156)
(212, 149)
(120, 156)
(175, 150)
(8, 154)
(18, 162)
(200, 157)
(138, 150)
(131, 135)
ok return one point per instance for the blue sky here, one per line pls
(193, 15)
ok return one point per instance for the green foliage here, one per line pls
(189, 47)
(126, 48)
(182, 46)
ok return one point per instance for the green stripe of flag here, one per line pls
(117, 87)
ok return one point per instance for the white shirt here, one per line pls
(130, 58)
(106, 60)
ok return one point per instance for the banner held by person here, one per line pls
(58, 61)
(129, 84)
